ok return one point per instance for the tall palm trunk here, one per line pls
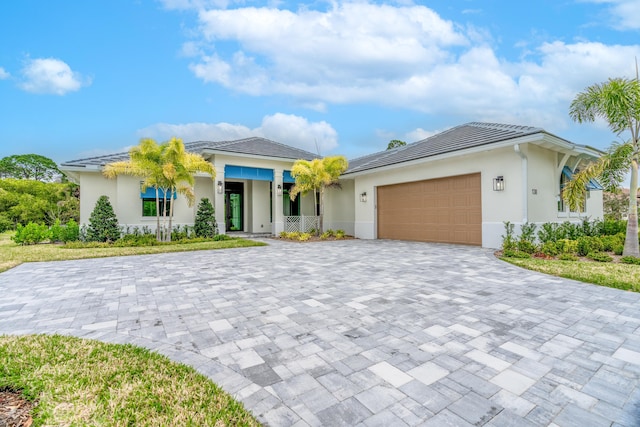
(158, 235)
(631, 246)
(168, 239)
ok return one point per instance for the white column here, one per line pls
(219, 198)
(278, 211)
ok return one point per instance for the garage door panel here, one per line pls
(444, 210)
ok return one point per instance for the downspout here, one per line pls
(525, 183)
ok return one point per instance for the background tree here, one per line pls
(167, 167)
(617, 101)
(314, 176)
(205, 224)
(103, 223)
(29, 166)
(395, 143)
(24, 200)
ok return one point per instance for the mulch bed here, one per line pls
(15, 410)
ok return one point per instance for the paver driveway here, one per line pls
(357, 332)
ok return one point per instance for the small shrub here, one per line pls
(86, 245)
(219, 237)
(600, 257)
(133, 240)
(205, 224)
(303, 237)
(71, 232)
(618, 249)
(566, 246)
(5, 223)
(103, 224)
(508, 239)
(609, 242)
(567, 257)
(630, 260)
(327, 234)
(613, 227)
(56, 232)
(339, 234)
(510, 253)
(568, 230)
(548, 232)
(549, 248)
(181, 233)
(587, 244)
(31, 234)
(526, 246)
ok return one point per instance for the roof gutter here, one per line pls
(525, 182)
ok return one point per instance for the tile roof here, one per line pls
(250, 146)
(460, 137)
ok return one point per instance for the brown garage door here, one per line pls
(446, 210)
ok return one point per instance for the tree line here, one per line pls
(29, 193)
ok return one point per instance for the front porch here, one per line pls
(256, 201)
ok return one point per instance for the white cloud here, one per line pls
(288, 129)
(624, 13)
(419, 134)
(51, 76)
(4, 74)
(398, 56)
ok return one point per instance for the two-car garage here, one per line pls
(444, 210)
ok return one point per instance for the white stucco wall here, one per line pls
(497, 206)
(92, 186)
(339, 210)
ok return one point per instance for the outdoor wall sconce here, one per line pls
(279, 190)
(498, 183)
(220, 187)
(363, 197)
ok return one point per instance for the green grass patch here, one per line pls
(12, 254)
(85, 382)
(613, 275)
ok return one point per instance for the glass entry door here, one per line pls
(234, 206)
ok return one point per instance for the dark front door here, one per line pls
(234, 206)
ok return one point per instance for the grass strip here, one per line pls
(86, 382)
(12, 254)
(612, 275)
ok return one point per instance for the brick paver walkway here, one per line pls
(371, 333)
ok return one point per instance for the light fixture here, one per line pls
(363, 197)
(279, 190)
(220, 187)
(498, 183)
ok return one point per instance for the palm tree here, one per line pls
(167, 167)
(179, 169)
(315, 176)
(618, 102)
(145, 161)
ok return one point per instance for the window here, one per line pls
(149, 207)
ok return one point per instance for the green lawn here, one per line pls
(78, 382)
(12, 254)
(613, 275)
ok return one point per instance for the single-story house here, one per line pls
(458, 186)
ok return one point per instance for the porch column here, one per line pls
(219, 198)
(277, 205)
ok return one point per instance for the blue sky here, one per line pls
(82, 78)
